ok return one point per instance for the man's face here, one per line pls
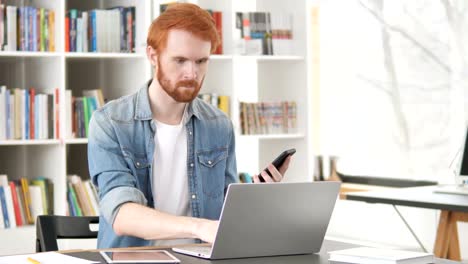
(182, 66)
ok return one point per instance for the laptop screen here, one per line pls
(464, 159)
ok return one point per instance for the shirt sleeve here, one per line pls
(231, 165)
(108, 169)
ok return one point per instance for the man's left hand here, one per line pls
(276, 174)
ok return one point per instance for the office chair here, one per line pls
(49, 228)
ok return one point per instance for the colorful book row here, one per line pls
(268, 118)
(97, 30)
(82, 197)
(27, 28)
(79, 111)
(260, 33)
(26, 114)
(21, 201)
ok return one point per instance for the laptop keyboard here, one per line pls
(202, 249)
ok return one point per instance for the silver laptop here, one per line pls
(461, 174)
(271, 219)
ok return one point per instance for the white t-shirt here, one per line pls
(170, 180)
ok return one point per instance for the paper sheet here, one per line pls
(44, 258)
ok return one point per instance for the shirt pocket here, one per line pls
(139, 166)
(212, 169)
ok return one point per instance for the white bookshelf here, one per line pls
(243, 78)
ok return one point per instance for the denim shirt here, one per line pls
(120, 157)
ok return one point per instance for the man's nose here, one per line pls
(190, 71)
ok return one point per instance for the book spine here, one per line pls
(42, 30)
(16, 204)
(12, 28)
(56, 120)
(86, 114)
(6, 220)
(2, 23)
(27, 200)
(32, 117)
(51, 31)
(9, 204)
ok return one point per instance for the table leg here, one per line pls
(443, 235)
(454, 245)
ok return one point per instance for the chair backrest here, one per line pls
(49, 228)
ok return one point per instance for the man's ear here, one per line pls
(152, 55)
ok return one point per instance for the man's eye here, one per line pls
(201, 61)
(180, 61)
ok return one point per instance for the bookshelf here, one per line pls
(249, 78)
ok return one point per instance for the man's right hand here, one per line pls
(206, 229)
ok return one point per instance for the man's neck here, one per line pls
(164, 108)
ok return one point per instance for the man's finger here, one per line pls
(275, 174)
(266, 177)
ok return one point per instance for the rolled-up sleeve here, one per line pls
(108, 169)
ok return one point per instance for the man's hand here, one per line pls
(276, 175)
(206, 229)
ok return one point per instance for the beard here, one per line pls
(183, 91)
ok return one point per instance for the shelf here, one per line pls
(275, 136)
(221, 57)
(99, 55)
(76, 141)
(23, 228)
(265, 58)
(29, 142)
(259, 57)
(29, 54)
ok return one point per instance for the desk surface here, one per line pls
(321, 258)
(423, 197)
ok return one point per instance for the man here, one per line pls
(161, 158)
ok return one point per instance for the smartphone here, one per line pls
(278, 161)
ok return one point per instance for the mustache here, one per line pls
(187, 83)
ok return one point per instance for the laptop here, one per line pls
(271, 219)
(462, 174)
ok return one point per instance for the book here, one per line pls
(27, 200)
(368, 255)
(16, 203)
(37, 205)
(4, 208)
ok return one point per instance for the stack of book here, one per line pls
(268, 118)
(79, 111)
(260, 33)
(367, 255)
(26, 28)
(21, 201)
(26, 114)
(97, 30)
(82, 197)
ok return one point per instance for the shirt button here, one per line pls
(194, 196)
(191, 164)
(209, 162)
(138, 164)
(190, 132)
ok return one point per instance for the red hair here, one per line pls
(184, 16)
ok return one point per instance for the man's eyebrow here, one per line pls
(179, 58)
(185, 58)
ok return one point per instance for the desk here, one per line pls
(453, 208)
(321, 258)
